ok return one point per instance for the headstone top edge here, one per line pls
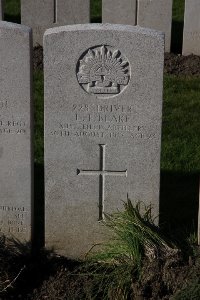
(105, 26)
(10, 25)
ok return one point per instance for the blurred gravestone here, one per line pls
(15, 131)
(103, 102)
(191, 33)
(40, 15)
(119, 12)
(156, 14)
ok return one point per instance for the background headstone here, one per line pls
(1, 9)
(15, 131)
(119, 12)
(156, 14)
(40, 15)
(191, 32)
(103, 102)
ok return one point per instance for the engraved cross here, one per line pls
(102, 173)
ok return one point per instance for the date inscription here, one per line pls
(99, 121)
(13, 220)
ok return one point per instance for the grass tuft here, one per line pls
(119, 263)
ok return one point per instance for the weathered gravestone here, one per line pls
(119, 12)
(40, 15)
(15, 131)
(156, 14)
(1, 9)
(191, 33)
(103, 99)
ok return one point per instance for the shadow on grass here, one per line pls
(177, 37)
(12, 18)
(38, 217)
(96, 19)
(22, 272)
(179, 202)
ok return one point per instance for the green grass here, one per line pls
(181, 125)
(177, 25)
(12, 7)
(119, 263)
(12, 10)
(96, 11)
(178, 10)
(39, 116)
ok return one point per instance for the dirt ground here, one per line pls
(174, 63)
(47, 276)
(182, 65)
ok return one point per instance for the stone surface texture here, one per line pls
(191, 32)
(156, 14)
(40, 15)
(103, 107)
(15, 131)
(119, 12)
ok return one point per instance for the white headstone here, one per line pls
(40, 15)
(119, 12)
(156, 14)
(191, 33)
(103, 102)
(15, 131)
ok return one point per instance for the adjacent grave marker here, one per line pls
(119, 12)
(156, 14)
(15, 131)
(103, 102)
(40, 15)
(191, 33)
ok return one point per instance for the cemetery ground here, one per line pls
(172, 269)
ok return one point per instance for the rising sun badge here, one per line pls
(103, 71)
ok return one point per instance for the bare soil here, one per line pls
(182, 65)
(47, 276)
(175, 64)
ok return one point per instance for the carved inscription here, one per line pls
(12, 219)
(103, 71)
(99, 121)
(12, 127)
(193, 35)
